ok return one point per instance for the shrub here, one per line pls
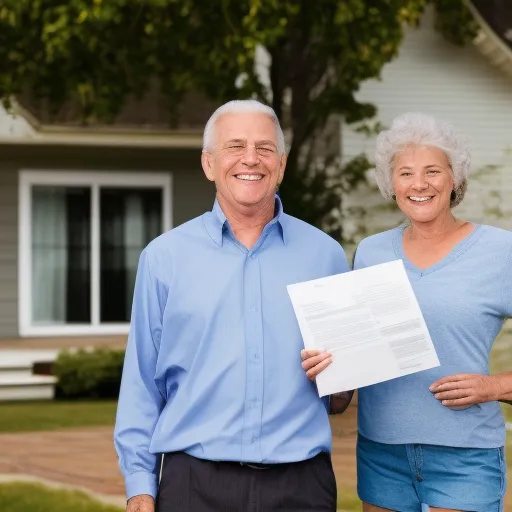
(89, 373)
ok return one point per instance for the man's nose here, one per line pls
(250, 157)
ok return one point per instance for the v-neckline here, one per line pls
(454, 253)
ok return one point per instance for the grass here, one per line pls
(36, 416)
(28, 497)
(348, 500)
(501, 361)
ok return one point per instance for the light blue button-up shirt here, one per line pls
(213, 363)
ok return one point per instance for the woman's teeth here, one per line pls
(420, 199)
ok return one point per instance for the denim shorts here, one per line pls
(411, 477)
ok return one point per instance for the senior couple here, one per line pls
(218, 409)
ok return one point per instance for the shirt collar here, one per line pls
(215, 221)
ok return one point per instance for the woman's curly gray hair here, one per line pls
(417, 129)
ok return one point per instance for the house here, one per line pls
(78, 204)
(469, 86)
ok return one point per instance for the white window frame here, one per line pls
(95, 180)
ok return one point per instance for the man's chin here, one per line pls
(253, 200)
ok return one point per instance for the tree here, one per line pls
(97, 52)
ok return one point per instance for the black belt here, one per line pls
(259, 465)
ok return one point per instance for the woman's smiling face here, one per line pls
(423, 182)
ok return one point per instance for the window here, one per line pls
(81, 235)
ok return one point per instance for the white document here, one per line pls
(371, 323)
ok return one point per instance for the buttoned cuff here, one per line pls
(141, 482)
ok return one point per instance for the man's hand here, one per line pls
(466, 389)
(340, 401)
(314, 361)
(141, 503)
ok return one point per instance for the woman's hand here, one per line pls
(314, 361)
(466, 389)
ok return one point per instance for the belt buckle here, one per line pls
(254, 466)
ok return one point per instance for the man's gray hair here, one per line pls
(236, 107)
(418, 129)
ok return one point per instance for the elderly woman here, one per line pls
(435, 438)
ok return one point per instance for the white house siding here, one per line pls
(12, 125)
(8, 251)
(458, 85)
(192, 194)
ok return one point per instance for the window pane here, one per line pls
(129, 219)
(61, 255)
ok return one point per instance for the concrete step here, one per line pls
(33, 387)
(17, 381)
(17, 371)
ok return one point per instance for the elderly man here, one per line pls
(212, 376)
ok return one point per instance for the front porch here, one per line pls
(24, 363)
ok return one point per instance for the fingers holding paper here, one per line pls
(314, 361)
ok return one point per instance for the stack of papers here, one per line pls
(371, 323)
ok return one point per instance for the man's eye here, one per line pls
(266, 150)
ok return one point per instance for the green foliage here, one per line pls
(29, 497)
(455, 21)
(97, 53)
(94, 374)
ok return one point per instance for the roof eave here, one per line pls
(490, 44)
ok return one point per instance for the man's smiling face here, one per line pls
(245, 163)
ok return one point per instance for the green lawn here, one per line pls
(28, 497)
(348, 500)
(47, 415)
(501, 361)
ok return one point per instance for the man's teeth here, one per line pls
(249, 177)
(420, 199)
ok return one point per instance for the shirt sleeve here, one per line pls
(140, 400)
(506, 285)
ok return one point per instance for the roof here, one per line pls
(141, 123)
(494, 39)
(498, 16)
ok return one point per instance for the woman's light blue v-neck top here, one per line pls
(464, 298)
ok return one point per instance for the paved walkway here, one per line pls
(86, 459)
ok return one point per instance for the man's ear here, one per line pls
(206, 162)
(282, 167)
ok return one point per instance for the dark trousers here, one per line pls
(189, 484)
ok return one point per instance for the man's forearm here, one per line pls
(340, 401)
